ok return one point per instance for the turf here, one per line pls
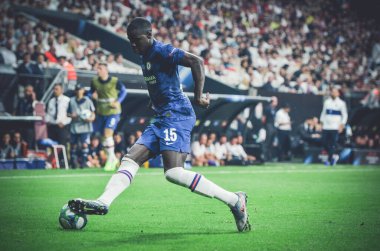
(292, 207)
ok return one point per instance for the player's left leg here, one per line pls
(108, 142)
(175, 173)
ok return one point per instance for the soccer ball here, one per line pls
(70, 220)
(85, 114)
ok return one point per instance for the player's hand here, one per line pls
(341, 127)
(95, 96)
(204, 101)
(74, 115)
(115, 104)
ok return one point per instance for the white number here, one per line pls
(170, 134)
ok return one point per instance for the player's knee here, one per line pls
(173, 175)
(108, 142)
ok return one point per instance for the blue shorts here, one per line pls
(80, 138)
(102, 122)
(168, 135)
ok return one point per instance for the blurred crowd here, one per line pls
(208, 150)
(273, 45)
(31, 47)
(252, 45)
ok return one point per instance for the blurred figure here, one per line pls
(6, 150)
(25, 107)
(56, 116)
(221, 152)
(311, 132)
(19, 146)
(198, 150)
(82, 112)
(71, 74)
(237, 154)
(210, 153)
(283, 124)
(119, 145)
(94, 152)
(130, 142)
(268, 119)
(333, 119)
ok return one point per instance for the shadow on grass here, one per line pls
(155, 238)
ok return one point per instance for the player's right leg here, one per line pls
(120, 181)
(175, 173)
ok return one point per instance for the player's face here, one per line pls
(140, 42)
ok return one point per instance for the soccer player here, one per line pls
(108, 92)
(333, 119)
(169, 134)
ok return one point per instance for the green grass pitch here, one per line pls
(292, 207)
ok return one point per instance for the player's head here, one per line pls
(140, 35)
(335, 92)
(102, 70)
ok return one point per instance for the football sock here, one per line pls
(109, 147)
(119, 181)
(199, 184)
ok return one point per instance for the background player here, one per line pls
(108, 92)
(169, 134)
(333, 119)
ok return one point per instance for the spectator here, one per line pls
(8, 56)
(130, 142)
(237, 154)
(6, 150)
(268, 119)
(119, 145)
(284, 126)
(82, 112)
(310, 132)
(221, 152)
(198, 150)
(27, 68)
(25, 107)
(19, 147)
(210, 153)
(71, 73)
(56, 116)
(93, 157)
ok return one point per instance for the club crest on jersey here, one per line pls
(148, 66)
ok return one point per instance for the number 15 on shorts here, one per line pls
(170, 136)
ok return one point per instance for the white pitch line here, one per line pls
(155, 173)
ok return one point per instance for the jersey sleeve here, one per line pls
(122, 91)
(171, 55)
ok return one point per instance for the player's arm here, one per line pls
(344, 117)
(122, 94)
(198, 72)
(70, 112)
(92, 93)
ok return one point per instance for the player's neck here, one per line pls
(104, 78)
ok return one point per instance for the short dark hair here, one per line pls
(140, 24)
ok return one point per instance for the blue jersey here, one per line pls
(160, 69)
